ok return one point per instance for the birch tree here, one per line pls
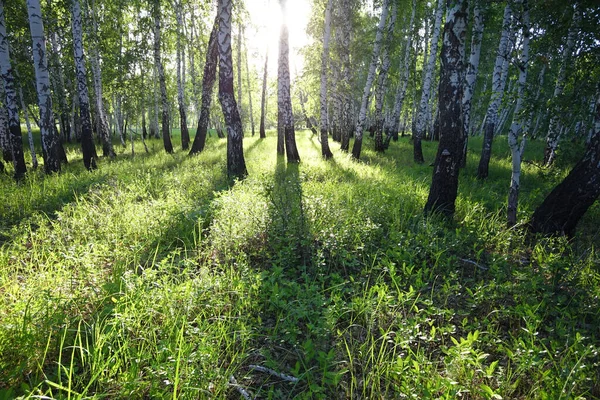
(249, 82)
(10, 97)
(358, 130)
(185, 135)
(236, 165)
(239, 73)
(497, 90)
(444, 185)
(208, 82)
(517, 123)
(403, 84)
(284, 100)
(343, 36)
(50, 142)
(553, 136)
(325, 151)
(166, 134)
(382, 79)
(421, 121)
(87, 143)
(101, 119)
(34, 160)
(263, 101)
(471, 74)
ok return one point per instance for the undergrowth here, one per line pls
(157, 277)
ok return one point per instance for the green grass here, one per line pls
(156, 277)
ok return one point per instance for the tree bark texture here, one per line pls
(553, 136)
(166, 134)
(236, 165)
(343, 37)
(497, 91)
(185, 134)
(562, 209)
(10, 97)
(381, 86)
(517, 123)
(444, 185)
(358, 130)
(284, 99)
(249, 82)
(87, 144)
(471, 74)
(421, 121)
(239, 74)
(50, 142)
(325, 151)
(34, 160)
(208, 82)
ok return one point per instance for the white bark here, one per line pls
(324, 70)
(358, 131)
(239, 73)
(472, 65)
(10, 98)
(40, 62)
(426, 90)
(405, 68)
(192, 63)
(248, 80)
(516, 126)
(553, 135)
(166, 132)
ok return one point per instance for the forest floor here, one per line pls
(156, 277)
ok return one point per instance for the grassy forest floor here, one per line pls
(155, 277)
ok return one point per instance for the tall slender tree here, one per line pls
(403, 83)
(236, 165)
(444, 185)
(421, 121)
(50, 143)
(325, 151)
(166, 133)
(263, 101)
(498, 81)
(208, 82)
(249, 82)
(553, 136)
(517, 123)
(284, 100)
(343, 37)
(471, 74)
(10, 98)
(185, 135)
(87, 143)
(358, 130)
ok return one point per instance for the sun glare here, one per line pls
(263, 30)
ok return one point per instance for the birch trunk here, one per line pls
(5, 144)
(471, 75)
(421, 121)
(208, 83)
(496, 98)
(284, 100)
(248, 80)
(553, 136)
(325, 151)
(444, 185)
(59, 87)
(50, 142)
(239, 74)
(10, 98)
(166, 134)
(517, 124)
(263, 100)
(382, 80)
(185, 135)
(102, 121)
(358, 131)
(87, 143)
(236, 165)
(154, 127)
(405, 68)
(344, 87)
(193, 62)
